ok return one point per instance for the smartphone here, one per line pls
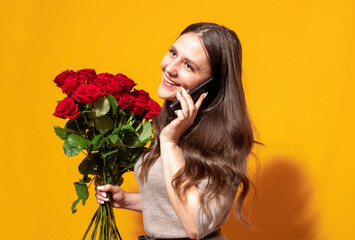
(209, 86)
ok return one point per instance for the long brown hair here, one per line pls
(219, 142)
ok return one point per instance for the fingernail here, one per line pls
(178, 94)
(106, 199)
(104, 194)
(101, 202)
(184, 91)
(205, 95)
(100, 187)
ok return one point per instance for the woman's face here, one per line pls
(184, 66)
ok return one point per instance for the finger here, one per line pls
(99, 201)
(189, 101)
(200, 100)
(183, 103)
(98, 187)
(105, 188)
(180, 115)
(100, 198)
(103, 194)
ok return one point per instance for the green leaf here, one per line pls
(113, 102)
(60, 133)
(96, 141)
(109, 180)
(78, 141)
(102, 142)
(73, 206)
(86, 166)
(146, 131)
(143, 143)
(116, 130)
(69, 150)
(109, 153)
(101, 106)
(104, 124)
(82, 192)
(127, 127)
(86, 179)
(113, 138)
(118, 142)
(130, 139)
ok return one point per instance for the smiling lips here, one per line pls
(170, 83)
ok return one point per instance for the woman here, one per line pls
(189, 178)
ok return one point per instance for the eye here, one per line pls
(189, 66)
(172, 52)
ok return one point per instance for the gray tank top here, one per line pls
(160, 220)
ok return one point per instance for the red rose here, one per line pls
(67, 108)
(114, 88)
(153, 109)
(131, 103)
(67, 81)
(125, 100)
(141, 94)
(104, 78)
(86, 75)
(120, 85)
(136, 101)
(59, 78)
(88, 93)
(127, 83)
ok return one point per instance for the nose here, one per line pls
(171, 68)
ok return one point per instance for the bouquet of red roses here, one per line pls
(112, 125)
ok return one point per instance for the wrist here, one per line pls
(167, 142)
(132, 201)
(125, 201)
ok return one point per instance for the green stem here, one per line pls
(108, 223)
(114, 224)
(104, 171)
(77, 125)
(103, 222)
(130, 118)
(121, 118)
(116, 155)
(112, 228)
(99, 215)
(88, 229)
(116, 118)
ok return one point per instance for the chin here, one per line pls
(166, 95)
(167, 98)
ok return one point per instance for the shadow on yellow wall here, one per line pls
(282, 210)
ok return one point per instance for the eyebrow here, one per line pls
(188, 59)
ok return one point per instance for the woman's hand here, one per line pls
(120, 198)
(118, 195)
(185, 117)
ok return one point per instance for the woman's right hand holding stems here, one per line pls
(120, 198)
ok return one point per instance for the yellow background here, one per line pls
(299, 78)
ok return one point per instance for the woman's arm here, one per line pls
(120, 198)
(186, 207)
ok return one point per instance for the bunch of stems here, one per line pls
(105, 219)
(104, 216)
